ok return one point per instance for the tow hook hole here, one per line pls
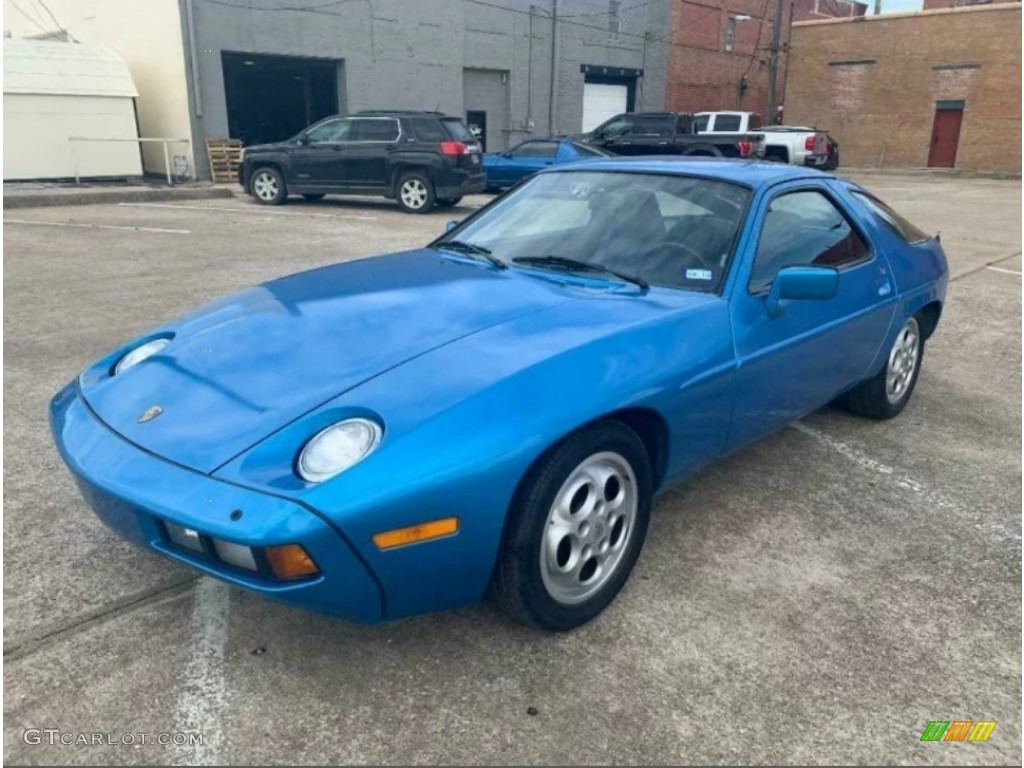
(236, 515)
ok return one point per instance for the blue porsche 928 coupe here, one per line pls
(497, 410)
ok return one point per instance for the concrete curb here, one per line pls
(92, 196)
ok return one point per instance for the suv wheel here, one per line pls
(267, 186)
(415, 193)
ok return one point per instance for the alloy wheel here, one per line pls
(588, 528)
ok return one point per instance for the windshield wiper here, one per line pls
(565, 263)
(472, 249)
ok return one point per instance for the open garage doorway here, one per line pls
(270, 98)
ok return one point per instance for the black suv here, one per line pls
(420, 159)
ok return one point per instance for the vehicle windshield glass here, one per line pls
(669, 230)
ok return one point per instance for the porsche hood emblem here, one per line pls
(149, 414)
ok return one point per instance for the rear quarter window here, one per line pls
(907, 231)
(457, 130)
(427, 129)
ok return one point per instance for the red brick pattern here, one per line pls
(704, 75)
(882, 113)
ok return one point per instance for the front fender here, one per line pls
(464, 423)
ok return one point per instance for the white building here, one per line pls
(69, 111)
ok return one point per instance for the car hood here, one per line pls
(242, 368)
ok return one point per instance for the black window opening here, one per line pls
(727, 123)
(272, 98)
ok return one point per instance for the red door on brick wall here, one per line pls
(945, 134)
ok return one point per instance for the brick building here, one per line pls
(720, 51)
(938, 88)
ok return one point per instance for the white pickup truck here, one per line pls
(796, 145)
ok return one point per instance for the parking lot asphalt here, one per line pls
(817, 598)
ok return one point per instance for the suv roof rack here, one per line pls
(399, 112)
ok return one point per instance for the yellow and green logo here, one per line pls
(958, 730)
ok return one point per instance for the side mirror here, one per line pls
(811, 283)
(304, 140)
(450, 226)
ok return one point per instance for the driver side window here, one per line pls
(804, 228)
(619, 126)
(332, 130)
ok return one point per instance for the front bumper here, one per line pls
(135, 493)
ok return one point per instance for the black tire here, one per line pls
(314, 196)
(872, 398)
(267, 186)
(424, 188)
(449, 203)
(519, 584)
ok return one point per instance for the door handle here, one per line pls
(547, 162)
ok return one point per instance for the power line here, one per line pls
(22, 12)
(59, 27)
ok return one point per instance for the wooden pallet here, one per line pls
(224, 156)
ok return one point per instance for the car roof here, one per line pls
(752, 173)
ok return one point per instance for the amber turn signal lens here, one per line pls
(291, 562)
(399, 537)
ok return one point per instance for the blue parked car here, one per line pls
(508, 168)
(384, 437)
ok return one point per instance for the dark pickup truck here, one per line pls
(669, 133)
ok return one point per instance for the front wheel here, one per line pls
(887, 393)
(415, 193)
(575, 529)
(267, 186)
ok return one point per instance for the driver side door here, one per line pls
(799, 360)
(319, 161)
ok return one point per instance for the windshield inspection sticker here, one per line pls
(698, 274)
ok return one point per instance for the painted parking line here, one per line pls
(1004, 271)
(202, 694)
(260, 211)
(97, 226)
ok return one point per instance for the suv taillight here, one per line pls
(810, 143)
(744, 147)
(453, 148)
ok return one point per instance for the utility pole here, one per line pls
(553, 91)
(773, 60)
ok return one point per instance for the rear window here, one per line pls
(427, 129)
(893, 220)
(583, 149)
(457, 130)
(700, 123)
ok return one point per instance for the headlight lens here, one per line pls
(139, 354)
(337, 448)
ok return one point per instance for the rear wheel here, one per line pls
(575, 529)
(415, 193)
(267, 186)
(887, 393)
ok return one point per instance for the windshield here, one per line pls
(668, 230)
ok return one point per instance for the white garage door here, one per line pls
(601, 102)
